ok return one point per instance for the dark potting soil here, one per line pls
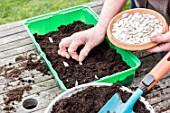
(92, 99)
(101, 61)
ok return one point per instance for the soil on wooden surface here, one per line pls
(33, 61)
(101, 61)
(12, 73)
(92, 99)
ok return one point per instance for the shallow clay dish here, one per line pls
(135, 47)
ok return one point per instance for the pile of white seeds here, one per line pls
(136, 28)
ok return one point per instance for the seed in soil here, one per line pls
(76, 83)
(80, 63)
(50, 39)
(101, 61)
(59, 53)
(65, 64)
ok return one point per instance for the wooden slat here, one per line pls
(26, 75)
(14, 37)
(12, 31)
(97, 9)
(42, 86)
(158, 96)
(13, 45)
(96, 3)
(11, 59)
(11, 25)
(96, 6)
(16, 51)
(41, 110)
(162, 107)
(44, 98)
(167, 111)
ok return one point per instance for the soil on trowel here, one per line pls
(101, 61)
(92, 99)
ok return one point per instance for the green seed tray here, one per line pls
(50, 22)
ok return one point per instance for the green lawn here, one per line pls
(14, 10)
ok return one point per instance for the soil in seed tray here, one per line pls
(101, 61)
(92, 99)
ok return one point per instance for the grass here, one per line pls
(127, 6)
(14, 10)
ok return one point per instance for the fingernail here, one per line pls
(81, 59)
(75, 58)
(67, 56)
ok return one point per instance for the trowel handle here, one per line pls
(157, 72)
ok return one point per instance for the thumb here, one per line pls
(85, 51)
(162, 37)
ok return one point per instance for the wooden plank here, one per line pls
(16, 44)
(11, 59)
(11, 25)
(44, 98)
(14, 37)
(42, 86)
(25, 75)
(158, 96)
(162, 107)
(16, 51)
(96, 6)
(168, 110)
(95, 3)
(12, 31)
(38, 78)
(97, 9)
(42, 110)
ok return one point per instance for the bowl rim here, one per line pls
(135, 47)
(74, 90)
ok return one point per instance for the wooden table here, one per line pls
(15, 41)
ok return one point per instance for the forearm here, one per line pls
(109, 10)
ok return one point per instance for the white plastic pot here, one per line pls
(74, 90)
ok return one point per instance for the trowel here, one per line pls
(115, 104)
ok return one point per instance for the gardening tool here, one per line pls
(115, 104)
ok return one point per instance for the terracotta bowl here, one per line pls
(135, 47)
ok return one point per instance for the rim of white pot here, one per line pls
(75, 89)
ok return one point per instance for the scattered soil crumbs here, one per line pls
(101, 61)
(92, 99)
(33, 61)
(14, 95)
(12, 73)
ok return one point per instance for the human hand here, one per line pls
(164, 40)
(89, 38)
